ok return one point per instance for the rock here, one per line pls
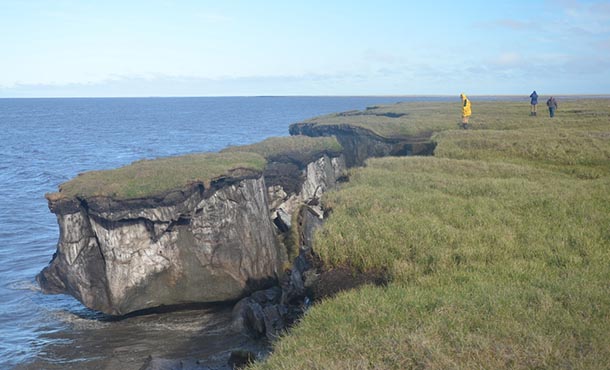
(264, 313)
(294, 289)
(301, 263)
(317, 177)
(158, 363)
(255, 318)
(301, 185)
(310, 281)
(271, 295)
(241, 359)
(249, 313)
(276, 195)
(309, 220)
(274, 320)
(212, 246)
(282, 220)
(320, 176)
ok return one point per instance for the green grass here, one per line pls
(498, 250)
(290, 146)
(419, 118)
(575, 142)
(582, 152)
(426, 117)
(154, 177)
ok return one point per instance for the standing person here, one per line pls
(466, 111)
(534, 103)
(552, 104)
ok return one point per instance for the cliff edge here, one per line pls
(375, 132)
(197, 228)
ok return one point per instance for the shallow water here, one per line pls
(106, 343)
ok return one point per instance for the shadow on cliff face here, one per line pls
(425, 148)
(271, 312)
(170, 309)
(322, 281)
(360, 143)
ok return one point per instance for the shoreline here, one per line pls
(477, 127)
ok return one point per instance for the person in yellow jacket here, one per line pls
(466, 111)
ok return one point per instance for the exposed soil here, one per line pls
(335, 280)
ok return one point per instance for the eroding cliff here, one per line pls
(360, 143)
(213, 245)
(206, 242)
(312, 180)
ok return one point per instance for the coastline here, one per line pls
(435, 139)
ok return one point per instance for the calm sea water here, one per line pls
(44, 142)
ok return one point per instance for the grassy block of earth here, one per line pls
(148, 178)
(296, 148)
(497, 247)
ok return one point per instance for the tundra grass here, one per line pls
(298, 145)
(498, 251)
(153, 177)
(415, 118)
(582, 152)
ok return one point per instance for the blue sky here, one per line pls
(217, 48)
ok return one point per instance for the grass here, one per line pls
(566, 149)
(154, 177)
(498, 251)
(290, 146)
(418, 118)
(425, 117)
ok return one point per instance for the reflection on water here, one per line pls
(97, 341)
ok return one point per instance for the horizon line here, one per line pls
(301, 96)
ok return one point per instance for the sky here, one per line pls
(87, 48)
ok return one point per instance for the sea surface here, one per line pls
(45, 142)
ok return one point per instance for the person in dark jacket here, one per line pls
(534, 103)
(552, 104)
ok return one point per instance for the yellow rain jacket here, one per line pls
(466, 111)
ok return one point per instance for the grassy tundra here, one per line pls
(497, 248)
(289, 146)
(153, 177)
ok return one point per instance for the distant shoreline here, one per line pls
(410, 96)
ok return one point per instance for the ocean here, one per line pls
(44, 142)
